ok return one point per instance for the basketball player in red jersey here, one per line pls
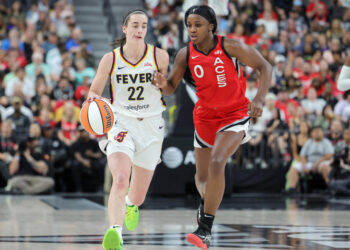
(221, 115)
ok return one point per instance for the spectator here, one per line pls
(88, 163)
(313, 106)
(324, 120)
(82, 71)
(59, 159)
(21, 82)
(315, 157)
(267, 115)
(29, 170)
(67, 126)
(335, 132)
(251, 89)
(20, 121)
(342, 108)
(278, 69)
(8, 146)
(340, 175)
(38, 67)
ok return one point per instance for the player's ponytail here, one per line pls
(121, 41)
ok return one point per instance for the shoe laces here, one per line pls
(132, 212)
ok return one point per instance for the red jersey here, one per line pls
(218, 79)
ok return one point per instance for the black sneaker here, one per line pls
(200, 238)
(200, 211)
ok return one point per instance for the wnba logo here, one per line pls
(108, 117)
(120, 137)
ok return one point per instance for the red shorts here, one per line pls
(208, 122)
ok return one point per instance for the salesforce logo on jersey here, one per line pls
(173, 157)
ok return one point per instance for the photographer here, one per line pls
(29, 170)
(340, 175)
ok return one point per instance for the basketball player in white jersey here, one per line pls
(134, 143)
(343, 82)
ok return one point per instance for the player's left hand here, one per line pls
(255, 108)
(159, 80)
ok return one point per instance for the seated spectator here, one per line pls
(328, 95)
(324, 120)
(67, 126)
(340, 175)
(267, 114)
(313, 106)
(24, 83)
(38, 67)
(342, 109)
(82, 71)
(315, 157)
(46, 117)
(88, 163)
(29, 169)
(41, 88)
(251, 89)
(335, 132)
(283, 101)
(20, 121)
(299, 138)
(13, 41)
(8, 147)
(23, 109)
(63, 90)
(277, 137)
(59, 159)
(254, 152)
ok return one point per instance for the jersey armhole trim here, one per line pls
(230, 57)
(113, 64)
(223, 48)
(188, 53)
(155, 58)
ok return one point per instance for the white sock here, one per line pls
(119, 229)
(128, 201)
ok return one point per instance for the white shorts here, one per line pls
(236, 128)
(298, 166)
(139, 138)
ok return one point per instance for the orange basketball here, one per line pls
(97, 117)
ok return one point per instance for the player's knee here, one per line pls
(217, 165)
(121, 180)
(201, 177)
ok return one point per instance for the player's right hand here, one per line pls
(93, 97)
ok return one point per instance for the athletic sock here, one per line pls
(119, 229)
(128, 201)
(207, 221)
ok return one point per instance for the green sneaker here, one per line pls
(112, 240)
(132, 217)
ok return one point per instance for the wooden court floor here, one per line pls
(55, 222)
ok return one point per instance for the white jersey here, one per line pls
(132, 91)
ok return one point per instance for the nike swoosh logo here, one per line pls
(121, 67)
(193, 57)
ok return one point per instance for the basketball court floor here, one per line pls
(243, 222)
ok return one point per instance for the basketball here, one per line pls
(97, 117)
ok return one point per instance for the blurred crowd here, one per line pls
(46, 68)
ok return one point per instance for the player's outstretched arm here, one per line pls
(251, 57)
(101, 77)
(343, 82)
(169, 85)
